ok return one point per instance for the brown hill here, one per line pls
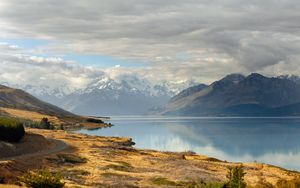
(18, 99)
(17, 103)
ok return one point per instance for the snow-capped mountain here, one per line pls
(293, 78)
(124, 95)
(53, 95)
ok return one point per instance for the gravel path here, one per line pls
(59, 146)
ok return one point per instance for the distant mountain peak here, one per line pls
(256, 75)
(235, 78)
(292, 77)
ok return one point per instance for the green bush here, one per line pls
(92, 120)
(11, 130)
(236, 177)
(42, 179)
(43, 124)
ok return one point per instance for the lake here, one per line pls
(268, 140)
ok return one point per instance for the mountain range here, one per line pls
(233, 95)
(239, 95)
(127, 95)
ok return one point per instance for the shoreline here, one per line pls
(113, 161)
(184, 151)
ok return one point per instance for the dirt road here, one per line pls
(59, 146)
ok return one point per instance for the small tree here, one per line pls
(45, 124)
(236, 177)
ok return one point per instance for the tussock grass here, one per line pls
(121, 166)
(70, 158)
(114, 175)
(160, 181)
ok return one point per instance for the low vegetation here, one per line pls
(114, 175)
(93, 120)
(11, 129)
(43, 124)
(70, 158)
(236, 177)
(42, 179)
(295, 183)
(121, 166)
(159, 181)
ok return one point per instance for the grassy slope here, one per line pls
(18, 99)
(17, 103)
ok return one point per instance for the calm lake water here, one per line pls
(268, 140)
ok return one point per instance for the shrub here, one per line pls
(43, 124)
(92, 120)
(42, 179)
(31, 124)
(236, 177)
(11, 130)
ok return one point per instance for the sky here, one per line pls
(72, 41)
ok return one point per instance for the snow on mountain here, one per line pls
(293, 78)
(40, 90)
(174, 87)
(124, 95)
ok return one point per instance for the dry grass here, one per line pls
(67, 121)
(111, 162)
(34, 116)
(9, 186)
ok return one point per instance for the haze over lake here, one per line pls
(267, 140)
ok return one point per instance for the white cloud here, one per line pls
(22, 68)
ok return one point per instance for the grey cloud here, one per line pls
(249, 36)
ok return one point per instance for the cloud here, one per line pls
(53, 72)
(5, 47)
(217, 37)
